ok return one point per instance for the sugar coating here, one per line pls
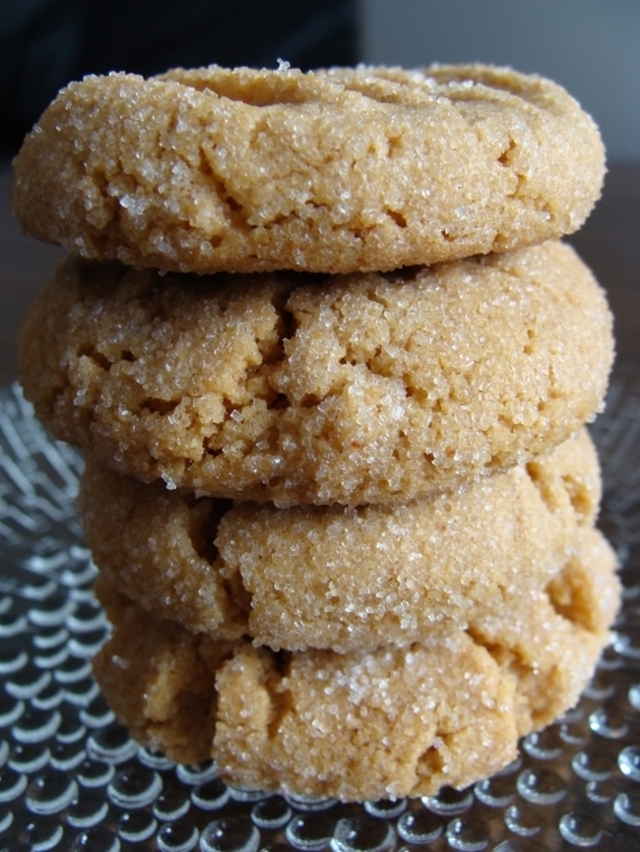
(344, 170)
(360, 389)
(339, 578)
(362, 725)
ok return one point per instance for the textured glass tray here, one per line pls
(72, 779)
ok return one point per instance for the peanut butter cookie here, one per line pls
(362, 725)
(339, 578)
(346, 170)
(285, 388)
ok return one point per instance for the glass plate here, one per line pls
(72, 779)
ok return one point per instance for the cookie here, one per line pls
(346, 170)
(285, 388)
(339, 578)
(362, 725)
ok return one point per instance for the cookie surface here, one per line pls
(371, 388)
(338, 171)
(343, 579)
(393, 722)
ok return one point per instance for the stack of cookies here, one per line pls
(330, 367)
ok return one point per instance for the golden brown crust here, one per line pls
(159, 678)
(392, 722)
(334, 171)
(344, 579)
(371, 388)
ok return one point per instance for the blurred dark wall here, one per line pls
(44, 44)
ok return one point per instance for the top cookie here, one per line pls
(333, 171)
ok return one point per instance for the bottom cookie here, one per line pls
(361, 725)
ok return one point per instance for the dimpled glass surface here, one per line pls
(72, 779)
